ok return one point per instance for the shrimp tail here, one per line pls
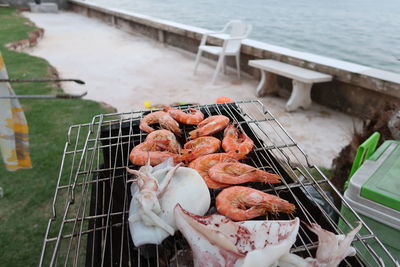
(166, 108)
(193, 134)
(267, 177)
(276, 204)
(286, 207)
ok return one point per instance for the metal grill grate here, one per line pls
(89, 226)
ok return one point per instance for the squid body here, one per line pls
(217, 241)
(155, 193)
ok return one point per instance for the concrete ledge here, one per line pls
(32, 41)
(43, 7)
(355, 89)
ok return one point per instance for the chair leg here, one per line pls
(237, 57)
(197, 61)
(217, 70)
(225, 66)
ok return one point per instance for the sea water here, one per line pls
(366, 32)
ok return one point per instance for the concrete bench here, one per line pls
(303, 79)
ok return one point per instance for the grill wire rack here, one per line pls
(88, 224)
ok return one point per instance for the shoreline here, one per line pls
(327, 31)
(350, 92)
(125, 70)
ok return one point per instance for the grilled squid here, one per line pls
(217, 241)
(155, 192)
(332, 249)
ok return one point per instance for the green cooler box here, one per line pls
(374, 193)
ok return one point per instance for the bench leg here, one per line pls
(260, 88)
(268, 84)
(300, 97)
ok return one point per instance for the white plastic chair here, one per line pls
(233, 33)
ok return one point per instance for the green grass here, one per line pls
(25, 206)
(327, 172)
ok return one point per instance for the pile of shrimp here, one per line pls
(203, 152)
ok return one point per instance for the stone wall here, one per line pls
(356, 89)
(24, 3)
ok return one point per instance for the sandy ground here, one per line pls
(125, 70)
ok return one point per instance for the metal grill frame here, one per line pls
(67, 232)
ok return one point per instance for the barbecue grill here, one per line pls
(89, 220)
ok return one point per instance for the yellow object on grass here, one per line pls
(14, 138)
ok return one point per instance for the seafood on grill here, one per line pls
(241, 203)
(172, 145)
(158, 146)
(162, 118)
(217, 241)
(239, 173)
(194, 116)
(204, 163)
(199, 147)
(155, 151)
(209, 126)
(238, 144)
(332, 249)
(155, 193)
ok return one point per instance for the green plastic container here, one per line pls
(374, 193)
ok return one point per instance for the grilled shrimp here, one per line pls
(204, 163)
(155, 150)
(161, 117)
(238, 173)
(165, 135)
(194, 117)
(199, 147)
(209, 126)
(235, 143)
(243, 203)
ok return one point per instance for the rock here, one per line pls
(394, 125)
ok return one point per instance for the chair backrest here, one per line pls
(236, 29)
